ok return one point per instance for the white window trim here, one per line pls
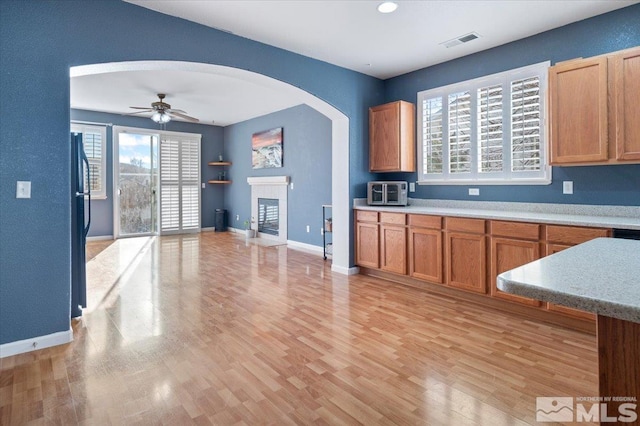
(102, 129)
(505, 78)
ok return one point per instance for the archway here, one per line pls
(339, 145)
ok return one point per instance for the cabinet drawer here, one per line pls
(523, 231)
(424, 221)
(366, 216)
(574, 234)
(393, 218)
(474, 226)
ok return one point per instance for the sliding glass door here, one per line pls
(135, 183)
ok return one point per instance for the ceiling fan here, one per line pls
(163, 113)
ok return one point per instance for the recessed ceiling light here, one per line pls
(387, 7)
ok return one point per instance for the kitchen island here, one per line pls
(600, 276)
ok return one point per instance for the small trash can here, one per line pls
(221, 220)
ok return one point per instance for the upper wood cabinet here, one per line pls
(593, 112)
(625, 70)
(392, 145)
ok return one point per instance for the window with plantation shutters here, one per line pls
(179, 183)
(489, 130)
(94, 140)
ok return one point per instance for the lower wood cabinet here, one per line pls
(465, 254)
(462, 253)
(425, 247)
(509, 253)
(393, 248)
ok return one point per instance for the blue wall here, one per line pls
(211, 145)
(306, 159)
(615, 185)
(39, 41)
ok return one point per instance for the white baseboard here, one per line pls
(35, 343)
(345, 271)
(305, 247)
(100, 238)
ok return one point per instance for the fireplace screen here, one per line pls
(268, 216)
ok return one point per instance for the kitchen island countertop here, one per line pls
(600, 276)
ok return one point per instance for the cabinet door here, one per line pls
(578, 111)
(466, 261)
(506, 254)
(393, 249)
(425, 254)
(384, 138)
(367, 243)
(554, 248)
(625, 112)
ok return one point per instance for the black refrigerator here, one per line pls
(80, 222)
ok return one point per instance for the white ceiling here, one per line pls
(351, 34)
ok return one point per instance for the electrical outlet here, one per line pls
(203, 185)
(412, 187)
(321, 231)
(237, 217)
(567, 187)
(308, 229)
(474, 191)
(292, 185)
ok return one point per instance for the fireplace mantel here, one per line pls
(268, 180)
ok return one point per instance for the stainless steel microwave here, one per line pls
(387, 193)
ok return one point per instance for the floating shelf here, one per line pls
(219, 163)
(219, 181)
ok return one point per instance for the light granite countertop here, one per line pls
(600, 276)
(622, 217)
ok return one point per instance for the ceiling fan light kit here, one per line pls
(162, 112)
(387, 7)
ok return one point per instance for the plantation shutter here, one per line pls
(179, 184)
(489, 130)
(94, 143)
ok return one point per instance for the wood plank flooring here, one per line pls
(205, 329)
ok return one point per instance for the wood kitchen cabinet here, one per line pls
(559, 238)
(465, 254)
(367, 239)
(625, 112)
(425, 247)
(393, 243)
(593, 110)
(392, 145)
(513, 244)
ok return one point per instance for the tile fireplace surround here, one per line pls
(275, 187)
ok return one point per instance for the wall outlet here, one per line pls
(412, 187)
(321, 231)
(203, 185)
(567, 187)
(308, 229)
(474, 191)
(237, 217)
(292, 185)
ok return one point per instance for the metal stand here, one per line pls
(327, 229)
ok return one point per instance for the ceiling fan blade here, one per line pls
(176, 110)
(139, 112)
(183, 116)
(139, 107)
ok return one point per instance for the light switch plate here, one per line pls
(567, 187)
(291, 185)
(23, 189)
(203, 185)
(412, 187)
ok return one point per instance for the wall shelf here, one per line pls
(220, 181)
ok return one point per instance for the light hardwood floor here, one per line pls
(204, 329)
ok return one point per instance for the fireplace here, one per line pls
(268, 216)
(269, 206)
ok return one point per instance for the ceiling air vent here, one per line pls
(459, 40)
